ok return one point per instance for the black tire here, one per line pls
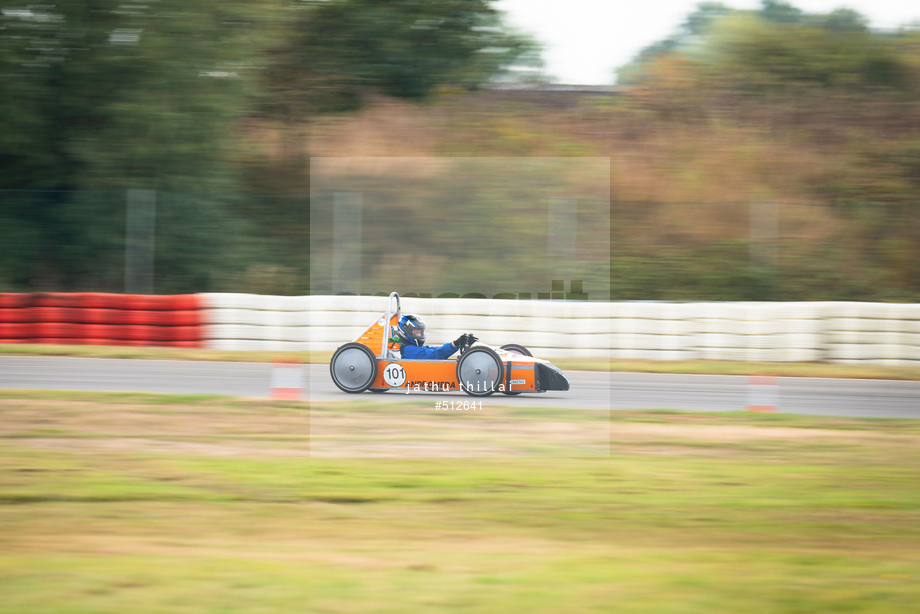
(353, 368)
(480, 371)
(517, 349)
(514, 348)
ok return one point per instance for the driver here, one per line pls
(410, 332)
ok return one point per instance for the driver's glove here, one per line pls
(462, 340)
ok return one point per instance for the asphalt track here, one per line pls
(590, 390)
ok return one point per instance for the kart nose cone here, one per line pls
(550, 378)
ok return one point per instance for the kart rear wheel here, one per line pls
(514, 348)
(353, 368)
(520, 350)
(480, 371)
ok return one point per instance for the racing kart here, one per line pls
(372, 362)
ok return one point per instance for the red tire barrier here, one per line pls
(16, 330)
(13, 300)
(17, 314)
(142, 302)
(101, 331)
(57, 314)
(178, 318)
(136, 302)
(96, 318)
(56, 330)
(161, 318)
(140, 333)
(163, 334)
(44, 313)
(186, 302)
(184, 333)
(103, 316)
(138, 317)
(179, 302)
(99, 300)
(56, 299)
(150, 303)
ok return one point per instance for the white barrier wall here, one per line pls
(883, 333)
(808, 331)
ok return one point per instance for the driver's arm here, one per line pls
(428, 351)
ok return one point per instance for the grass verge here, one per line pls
(117, 502)
(711, 367)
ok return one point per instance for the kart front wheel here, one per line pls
(353, 368)
(480, 371)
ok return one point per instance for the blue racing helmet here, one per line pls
(411, 330)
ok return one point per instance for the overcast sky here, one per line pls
(586, 39)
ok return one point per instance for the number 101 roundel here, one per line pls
(372, 362)
(394, 375)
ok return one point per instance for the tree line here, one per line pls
(100, 96)
(826, 81)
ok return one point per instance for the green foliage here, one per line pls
(845, 21)
(100, 97)
(328, 59)
(104, 96)
(755, 55)
(722, 271)
(695, 26)
(824, 83)
(338, 50)
(779, 47)
(780, 12)
(879, 200)
(699, 21)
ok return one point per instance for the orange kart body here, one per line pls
(372, 362)
(423, 375)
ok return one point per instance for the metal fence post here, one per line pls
(140, 229)
(764, 230)
(346, 242)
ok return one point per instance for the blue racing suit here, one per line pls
(428, 351)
